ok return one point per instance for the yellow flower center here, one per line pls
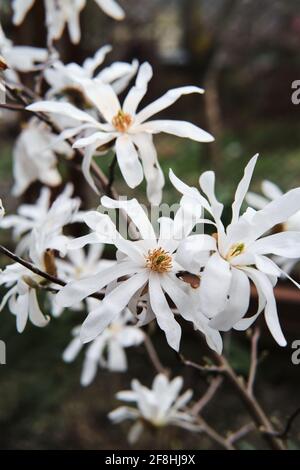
(159, 260)
(122, 121)
(235, 250)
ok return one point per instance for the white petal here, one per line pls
(65, 109)
(179, 128)
(256, 200)
(238, 302)
(117, 361)
(165, 101)
(152, 170)
(128, 161)
(286, 244)
(137, 93)
(242, 189)
(35, 314)
(110, 307)
(193, 252)
(102, 96)
(164, 315)
(21, 8)
(72, 350)
(135, 432)
(111, 8)
(75, 291)
(214, 286)
(135, 212)
(271, 190)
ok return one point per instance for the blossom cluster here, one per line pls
(193, 268)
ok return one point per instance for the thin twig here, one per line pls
(208, 396)
(254, 360)
(153, 356)
(284, 434)
(240, 433)
(39, 272)
(215, 436)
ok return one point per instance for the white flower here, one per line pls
(20, 58)
(112, 342)
(160, 406)
(43, 214)
(238, 254)
(63, 78)
(23, 283)
(270, 193)
(34, 157)
(60, 13)
(150, 268)
(131, 130)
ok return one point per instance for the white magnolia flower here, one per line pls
(108, 349)
(270, 193)
(234, 256)
(43, 214)
(131, 131)
(160, 406)
(20, 58)
(35, 157)
(60, 13)
(23, 284)
(144, 268)
(63, 78)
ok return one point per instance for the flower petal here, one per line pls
(179, 128)
(128, 161)
(137, 93)
(242, 189)
(65, 109)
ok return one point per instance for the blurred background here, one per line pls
(246, 54)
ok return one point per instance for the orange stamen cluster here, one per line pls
(122, 121)
(159, 260)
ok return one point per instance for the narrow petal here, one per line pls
(111, 8)
(242, 189)
(137, 93)
(110, 307)
(65, 109)
(179, 128)
(165, 101)
(128, 161)
(103, 96)
(164, 315)
(286, 244)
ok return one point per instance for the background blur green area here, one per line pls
(246, 55)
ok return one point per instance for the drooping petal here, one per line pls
(238, 302)
(35, 314)
(215, 285)
(128, 161)
(286, 244)
(152, 170)
(117, 360)
(164, 315)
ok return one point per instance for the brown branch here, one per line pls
(240, 433)
(208, 396)
(153, 356)
(214, 435)
(39, 272)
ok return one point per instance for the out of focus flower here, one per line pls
(63, 211)
(63, 79)
(108, 349)
(158, 407)
(20, 58)
(271, 192)
(145, 267)
(130, 130)
(60, 13)
(234, 256)
(35, 157)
